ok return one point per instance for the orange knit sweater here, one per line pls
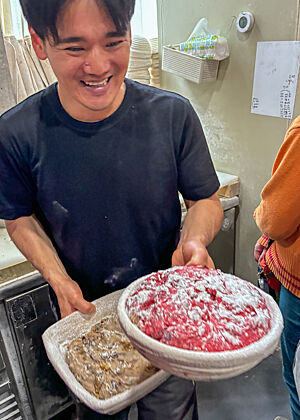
(278, 215)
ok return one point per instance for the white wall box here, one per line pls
(189, 66)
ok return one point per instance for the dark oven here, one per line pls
(29, 386)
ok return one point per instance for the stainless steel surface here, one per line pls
(222, 249)
(15, 271)
(20, 284)
(230, 202)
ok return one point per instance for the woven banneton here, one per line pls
(198, 365)
(56, 339)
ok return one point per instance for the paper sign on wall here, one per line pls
(276, 78)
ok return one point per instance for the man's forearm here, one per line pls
(31, 239)
(203, 220)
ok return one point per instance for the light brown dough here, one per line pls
(104, 361)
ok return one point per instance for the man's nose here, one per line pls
(97, 62)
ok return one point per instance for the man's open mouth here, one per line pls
(95, 84)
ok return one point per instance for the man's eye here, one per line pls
(114, 44)
(74, 49)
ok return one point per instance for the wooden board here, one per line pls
(229, 185)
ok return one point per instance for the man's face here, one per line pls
(90, 61)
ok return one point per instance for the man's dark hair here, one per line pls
(42, 15)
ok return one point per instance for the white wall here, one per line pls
(144, 20)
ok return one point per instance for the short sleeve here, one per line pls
(197, 178)
(16, 186)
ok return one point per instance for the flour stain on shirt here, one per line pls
(59, 208)
(61, 217)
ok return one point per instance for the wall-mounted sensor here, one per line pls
(245, 22)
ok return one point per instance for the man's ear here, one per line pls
(37, 44)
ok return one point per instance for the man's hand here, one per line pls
(70, 298)
(201, 224)
(259, 252)
(192, 252)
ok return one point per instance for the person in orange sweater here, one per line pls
(278, 218)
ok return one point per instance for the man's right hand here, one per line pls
(192, 252)
(70, 298)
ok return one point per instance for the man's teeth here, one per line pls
(97, 84)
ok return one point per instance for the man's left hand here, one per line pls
(192, 252)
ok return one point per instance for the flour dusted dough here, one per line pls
(104, 361)
(199, 309)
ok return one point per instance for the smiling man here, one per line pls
(89, 57)
(90, 170)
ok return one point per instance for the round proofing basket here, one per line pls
(198, 365)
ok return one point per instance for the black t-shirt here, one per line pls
(106, 193)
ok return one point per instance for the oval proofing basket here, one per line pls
(197, 365)
(56, 339)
